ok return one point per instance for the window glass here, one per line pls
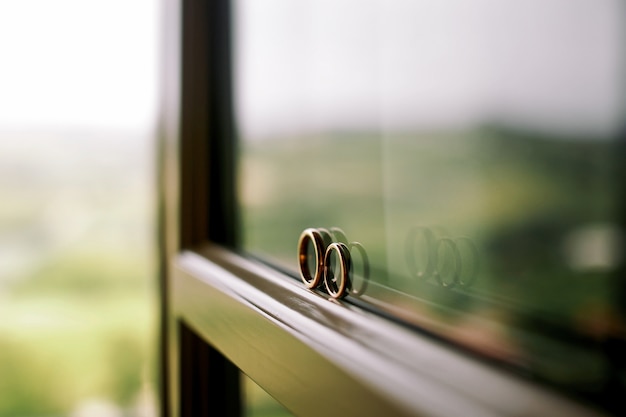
(468, 154)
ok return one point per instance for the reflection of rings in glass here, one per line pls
(326, 236)
(311, 237)
(427, 249)
(362, 286)
(337, 285)
(447, 246)
(339, 235)
(469, 260)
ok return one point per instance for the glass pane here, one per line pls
(258, 403)
(472, 149)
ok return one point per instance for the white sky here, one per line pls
(549, 63)
(78, 64)
(555, 65)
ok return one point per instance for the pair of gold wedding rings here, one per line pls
(337, 285)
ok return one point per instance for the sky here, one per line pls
(553, 65)
(75, 64)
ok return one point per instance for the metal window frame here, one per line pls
(223, 312)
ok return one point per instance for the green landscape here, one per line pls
(78, 282)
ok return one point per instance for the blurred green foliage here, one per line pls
(77, 273)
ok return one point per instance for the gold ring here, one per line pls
(337, 286)
(308, 237)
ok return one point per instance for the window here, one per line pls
(455, 151)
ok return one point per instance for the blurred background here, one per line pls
(78, 293)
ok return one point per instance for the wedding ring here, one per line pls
(337, 286)
(311, 237)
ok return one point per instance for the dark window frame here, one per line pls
(223, 312)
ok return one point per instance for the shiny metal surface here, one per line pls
(297, 344)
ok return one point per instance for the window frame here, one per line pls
(222, 312)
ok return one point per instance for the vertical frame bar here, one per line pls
(206, 379)
(197, 202)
